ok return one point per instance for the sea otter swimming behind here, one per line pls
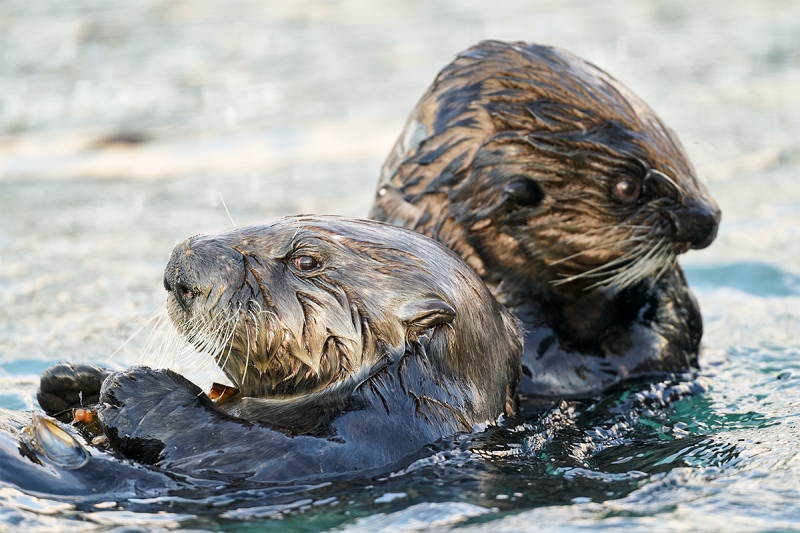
(570, 198)
(351, 344)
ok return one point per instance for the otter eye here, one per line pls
(627, 191)
(524, 192)
(305, 263)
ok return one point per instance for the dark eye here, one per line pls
(524, 192)
(627, 191)
(305, 263)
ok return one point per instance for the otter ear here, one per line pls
(523, 192)
(427, 313)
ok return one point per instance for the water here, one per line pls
(124, 127)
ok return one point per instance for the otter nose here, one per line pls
(183, 293)
(177, 280)
(697, 224)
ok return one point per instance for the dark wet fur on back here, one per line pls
(570, 198)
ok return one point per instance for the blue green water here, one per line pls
(281, 108)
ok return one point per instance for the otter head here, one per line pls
(540, 168)
(301, 304)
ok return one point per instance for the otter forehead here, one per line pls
(275, 234)
(278, 238)
(551, 98)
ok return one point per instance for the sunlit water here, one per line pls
(281, 108)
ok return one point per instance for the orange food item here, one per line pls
(83, 415)
(220, 392)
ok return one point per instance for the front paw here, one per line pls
(140, 400)
(145, 388)
(143, 410)
(67, 386)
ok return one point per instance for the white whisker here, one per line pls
(600, 247)
(624, 261)
(645, 259)
(247, 354)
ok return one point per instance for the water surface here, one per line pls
(126, 127)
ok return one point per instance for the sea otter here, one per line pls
(351, 344)
(570, 198)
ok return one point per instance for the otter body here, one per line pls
(351, 344)
(570, 198)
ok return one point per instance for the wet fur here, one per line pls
(392, 344)
(282, 334)
(510, 159)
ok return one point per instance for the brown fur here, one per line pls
(512, 159)
(286, 335)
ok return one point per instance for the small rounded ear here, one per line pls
(427, 313)
(523, 192)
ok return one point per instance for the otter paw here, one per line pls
(143, 390)
(142, 410)
(66, 386)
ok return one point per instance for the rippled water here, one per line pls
(124, 127)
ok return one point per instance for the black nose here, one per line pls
(697, 223)
(177, 280)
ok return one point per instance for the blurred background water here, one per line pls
(126, 127)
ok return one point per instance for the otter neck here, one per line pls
(581, 316)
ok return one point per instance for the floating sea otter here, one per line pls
(570, 198)
(351, 344)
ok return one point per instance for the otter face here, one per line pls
(250, 299)
(536, 165)
(606, 205)
(292, 307)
